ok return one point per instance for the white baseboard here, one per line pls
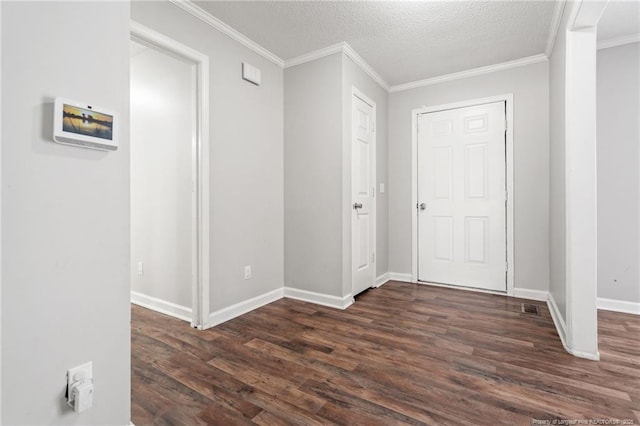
(381, 280)
(525, 293)
(586, 355)
(319, 298)
(618, 306)
(405, 278)
(458, 287)
(522, 293)
(558, 321)
(561, 327)
(233, 311)
(162, 306)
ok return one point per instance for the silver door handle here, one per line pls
(423, 206)
(357, 206)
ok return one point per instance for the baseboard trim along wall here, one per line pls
(457, 287)
(619, 306)
(233, 311)
(319, 298)
(561, 327)
(381, 280)
(396, 276)
(162, 306)
(522, 293)
(558, 321)
(525, 293)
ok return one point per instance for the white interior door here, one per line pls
(363, 192)
(461, 197)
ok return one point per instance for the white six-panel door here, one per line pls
(363, 193)
(461, 197)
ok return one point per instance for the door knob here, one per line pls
(357, 205)
(423, 206)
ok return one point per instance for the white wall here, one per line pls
(353, 75)
(246, 136)
(317, 191)
(529, 85)
(0, 214)
(313, 176)
(557, 170)
(618, 147)
(162, 132)
(65, 214)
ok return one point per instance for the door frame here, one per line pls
(200, 167)
(355, 93)
(508, 98)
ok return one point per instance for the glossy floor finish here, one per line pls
(402, 354)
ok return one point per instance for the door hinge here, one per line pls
(506, 124)
(373, 257)
(373, 192)
(373, 126)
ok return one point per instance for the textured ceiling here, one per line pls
(403, 41)
(620, 19)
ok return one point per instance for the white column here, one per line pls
(581, 196)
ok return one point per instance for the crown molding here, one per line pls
(619, 41)
(470, 73)
(342, 47)
(196, 11)
(316, 54)
(348, 50)
(227, 30)
(555, 27)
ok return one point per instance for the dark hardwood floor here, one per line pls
(402, 354)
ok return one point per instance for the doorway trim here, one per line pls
(508, 98)
(355, 93)
(200, 162)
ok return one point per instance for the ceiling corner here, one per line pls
(556, 20)
(196, 11)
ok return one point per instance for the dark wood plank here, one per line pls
(402, 354)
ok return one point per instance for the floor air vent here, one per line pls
(528, 308)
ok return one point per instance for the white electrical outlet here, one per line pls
(140, 268)
(247, 272)
(80, 387)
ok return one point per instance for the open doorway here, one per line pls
(169, 177)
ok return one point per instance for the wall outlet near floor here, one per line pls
(140, 268)
(79, 392)
(247, 272)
